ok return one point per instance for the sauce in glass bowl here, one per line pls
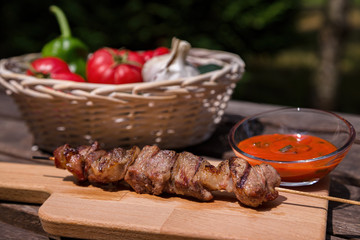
(286, 147)
(303, 145)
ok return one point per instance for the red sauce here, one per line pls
(283, 147)
(289, 148)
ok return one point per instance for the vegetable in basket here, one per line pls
(148, 54)
(52, 67)
(170, 66)
(71, 50)
(113, 66)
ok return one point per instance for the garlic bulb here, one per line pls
(170, 66)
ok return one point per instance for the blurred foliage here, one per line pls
(242, 26)
(262, 32)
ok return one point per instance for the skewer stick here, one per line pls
(280, 189)
(335, 199)
(44, 158)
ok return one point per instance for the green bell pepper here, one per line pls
(71, 50)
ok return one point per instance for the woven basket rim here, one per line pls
(231, 64)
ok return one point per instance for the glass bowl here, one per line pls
(299, 123)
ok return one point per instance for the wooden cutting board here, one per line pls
(70, 210)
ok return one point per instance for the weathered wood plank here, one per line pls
(344, 219)
(9, 231)
(20, 220)
(8, 108)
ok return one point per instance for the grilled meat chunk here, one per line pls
(217, 177)
(185, 179)
(107, 167)
(253, 185)
(151, 170)
(73, 159)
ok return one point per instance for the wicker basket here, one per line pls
(172, 114)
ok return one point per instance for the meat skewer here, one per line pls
(154, 171)
(216, 180)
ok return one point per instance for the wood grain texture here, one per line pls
(9, 231)
(27, 221)
(87, 211)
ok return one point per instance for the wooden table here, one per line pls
(20, 220)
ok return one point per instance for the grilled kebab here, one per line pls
(154, 171)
